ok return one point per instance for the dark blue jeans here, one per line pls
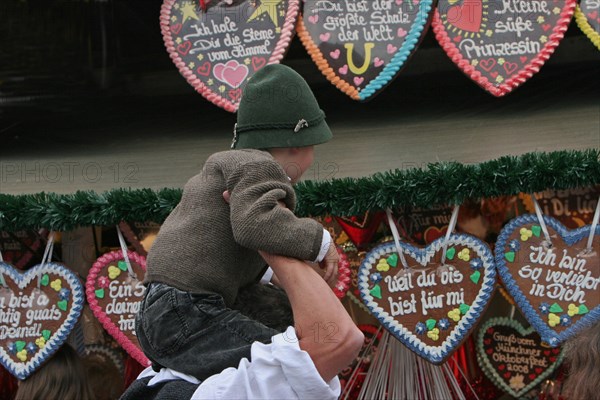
(194, 333)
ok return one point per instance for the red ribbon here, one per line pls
(203, 5)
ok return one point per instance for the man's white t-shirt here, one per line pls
(279, 370)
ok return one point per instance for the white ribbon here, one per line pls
(396, 236)
(125, 251)
(593, 228)
(540, 217)
(451, 226)
(47, 257)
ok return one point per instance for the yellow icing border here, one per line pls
(585, 26)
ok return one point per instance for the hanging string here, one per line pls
(593, 228)
(512, 311)
(125, 252)
(538, 212)
(47, 256)
(396, 236)
(450, 230)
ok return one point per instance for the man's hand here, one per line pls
(330, 265)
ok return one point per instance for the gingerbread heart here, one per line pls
(587, 16)
(574, 208)
(514, 358)
(219, 49)
(549, 283)
(33, 324)
(432, 306)
(501, 44)
(114, 296)
(360, 46)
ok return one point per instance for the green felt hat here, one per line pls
(278, 109)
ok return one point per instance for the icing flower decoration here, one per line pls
(573, 310)
(465, 254)
(22, 355)
(64, 294)
(514, 245)
(12, 347)
(444, 324)
(114, 272)
(454, 315)
(476, 263)
(383, 266)
(421, 328)
(103, 282)
(31, 348)
(40, 342)
(434, 334)
(525, 234)
(553, 320)
(56, 284)
(516, 382)
(375, 277)
(565, 320)
(544, 308)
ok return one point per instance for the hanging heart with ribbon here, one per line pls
(217, 51)
(38, 310)
(114, 291)
(587, 16)
(360, 46)
(514, 358)
(554, 282)
(501, 44)
(432, 305)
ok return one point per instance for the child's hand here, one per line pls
(330, 265)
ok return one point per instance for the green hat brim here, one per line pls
(279, 137)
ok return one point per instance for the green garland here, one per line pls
(438, 184)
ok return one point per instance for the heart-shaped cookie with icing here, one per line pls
(360, 46)
(513, 357)
(556, 285)
(219, 49)
(38, 309)
(433, 305)
(501, 44)
(115, 295)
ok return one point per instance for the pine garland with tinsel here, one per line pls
(437, 184)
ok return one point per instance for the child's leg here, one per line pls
(195, 333)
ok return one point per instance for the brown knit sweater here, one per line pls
(208, 246)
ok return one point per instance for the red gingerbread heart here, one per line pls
(229, 42)
(114, 296)
(502, 44)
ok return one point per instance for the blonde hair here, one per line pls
(583, 356)
(61, 377)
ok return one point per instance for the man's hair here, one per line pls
(583, 358)
(266, 304)
(61, 377)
